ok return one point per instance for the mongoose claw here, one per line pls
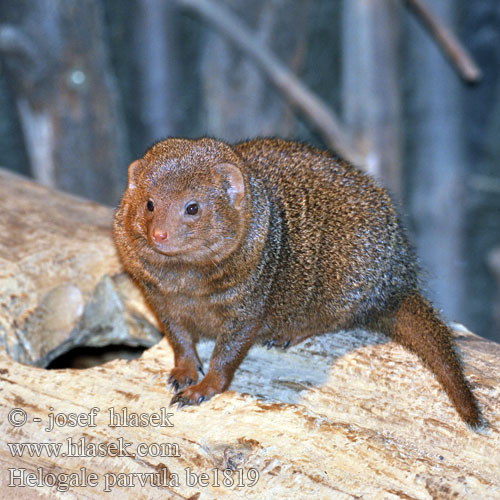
(182, 376)
(198, 393)
(272, 343)
(175, 385)
(179, 400)
(268, 343)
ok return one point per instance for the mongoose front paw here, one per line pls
(196, 394)
(182, 375)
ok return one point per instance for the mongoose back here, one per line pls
(271, 241)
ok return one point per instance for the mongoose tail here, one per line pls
(415, 324)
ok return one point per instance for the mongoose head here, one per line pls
(185, 201)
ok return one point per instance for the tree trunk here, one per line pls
(480, 27)
(239, 101)
(155, 56)
(436, 160)
(66, 96)
(371, 86)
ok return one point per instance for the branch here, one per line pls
(461, 60)
(297, 93)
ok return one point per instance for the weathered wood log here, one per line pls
(61, 284)
(350, 415)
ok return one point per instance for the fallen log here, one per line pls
(350, 415)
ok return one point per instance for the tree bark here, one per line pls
(436, 166)
(371, 86)
(57, 63)
(234, 87)
(156, 79)
(341, 416)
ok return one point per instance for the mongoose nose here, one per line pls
(158, 235)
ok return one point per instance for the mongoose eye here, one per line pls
(150, 205)
(192, 208)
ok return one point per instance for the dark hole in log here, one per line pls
(87, 357)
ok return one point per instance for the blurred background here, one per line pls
(409, 90)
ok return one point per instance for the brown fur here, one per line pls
(288, 242)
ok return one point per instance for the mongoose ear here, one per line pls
(133, 172)
(236, 189)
